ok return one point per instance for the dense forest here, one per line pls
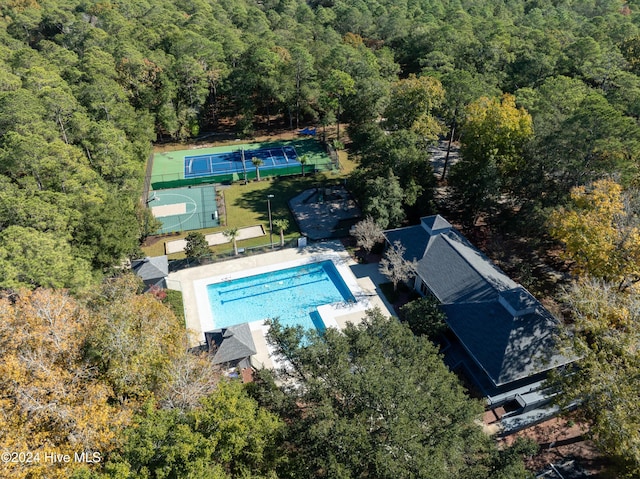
(543, 96)
(87, 86)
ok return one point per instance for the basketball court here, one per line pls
(184, 209)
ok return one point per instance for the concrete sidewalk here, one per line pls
(370, 278)
(178, 246)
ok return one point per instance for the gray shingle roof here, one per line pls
(435, 224)
(413, 238)
(507, 332)
(452, 267)
(232, 344)
(518, 301)
(449, 275)
(506, 347)
(151, 268)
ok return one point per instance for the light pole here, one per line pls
(270, 223)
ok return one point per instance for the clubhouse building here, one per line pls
(501, 341)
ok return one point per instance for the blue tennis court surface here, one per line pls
(239, 163)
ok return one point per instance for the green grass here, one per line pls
(174, 301)
(347, 163)
(246, 205)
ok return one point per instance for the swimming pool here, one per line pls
(292, 295)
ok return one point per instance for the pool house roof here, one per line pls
(231, 344)
(507, 332)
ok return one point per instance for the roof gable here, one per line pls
(506, 347)
(151, 268)
(231, 344)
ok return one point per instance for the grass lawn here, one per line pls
(246, 205)
(346, 162)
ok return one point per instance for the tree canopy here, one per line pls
(227, 436)
(600, 232)
(86, 88)
(51, 396)
(544, 97)
(605, 382)
(357, 405)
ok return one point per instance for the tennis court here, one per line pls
(224, 164)
(240, 162)
(184, 209)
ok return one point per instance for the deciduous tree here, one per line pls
(605, 381)
(367, 233)
(395, 266)
(601, 233)
(412, 104)
(494, 135)
(51, 399)
(189, 378)
(134, 339)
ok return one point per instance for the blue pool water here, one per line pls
(292, 295)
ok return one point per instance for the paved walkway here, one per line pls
(370, 278)
(319, 211)
(177, 246)
(438, 154)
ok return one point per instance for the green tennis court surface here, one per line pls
(171, 169)
(184, 209)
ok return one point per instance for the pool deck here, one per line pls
(363, 281)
